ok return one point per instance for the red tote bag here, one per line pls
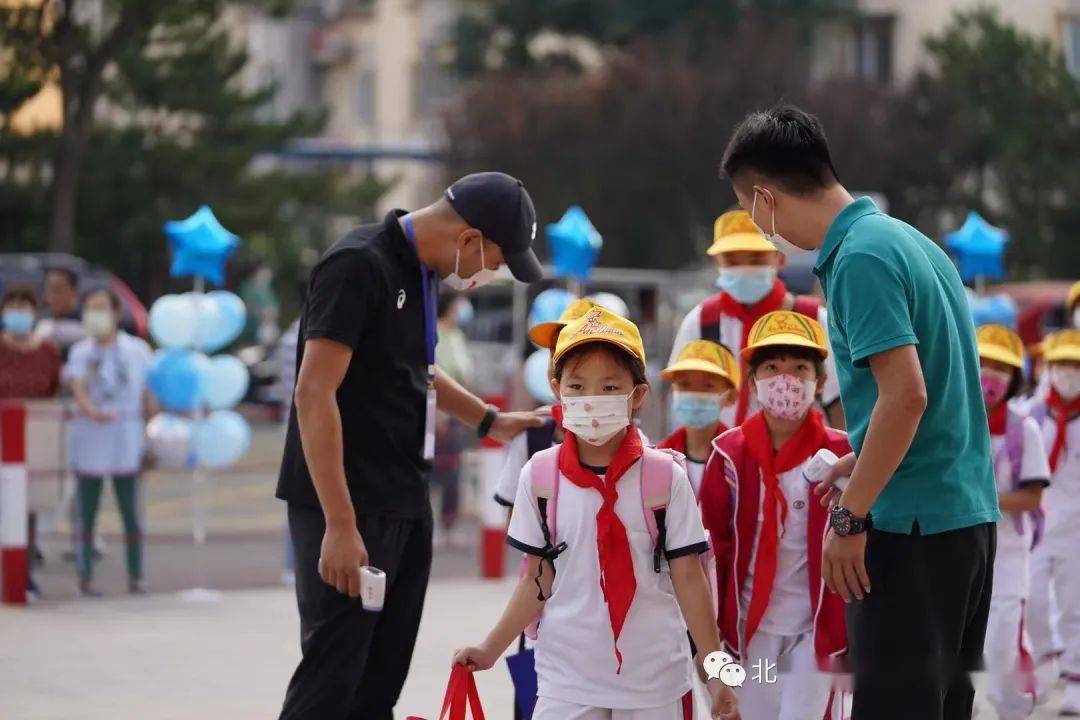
(461, 697)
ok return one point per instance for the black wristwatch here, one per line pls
(489, 419)
(844, 523)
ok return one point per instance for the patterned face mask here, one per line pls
(596, 418)
(786, 396)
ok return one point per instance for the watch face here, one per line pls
(841, 521)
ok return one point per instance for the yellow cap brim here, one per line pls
(741, 242)
(544, 334)
(694, 364)
(789, 339)
(1064, 353)
(581, 340)
(1001, 355)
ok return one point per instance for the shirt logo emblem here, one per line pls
(799, 504)
(401, 298)
(534, 231)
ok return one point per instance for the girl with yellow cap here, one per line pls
(1021, 473)
(706, 379)
(1055, 561)
(767, 526)
(612, 639)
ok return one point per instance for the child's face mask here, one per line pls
(786, 396)
(696, 409)
(596, 418)
(1066, 380)
(994, 386)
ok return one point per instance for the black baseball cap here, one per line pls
(499, 206)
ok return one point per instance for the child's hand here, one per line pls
(476, 658)
(725, 704)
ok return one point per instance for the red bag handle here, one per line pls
(461, 694)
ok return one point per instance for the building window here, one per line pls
(1070, 26)
(871, 52)
(365, 96)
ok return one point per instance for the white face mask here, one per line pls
(481, 277)
(596, 418)
(786, 396)
(1066, 380)
(782, 244)
(98, 323)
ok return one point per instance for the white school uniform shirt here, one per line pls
(789, 611)
(731, 333)
(696, 471)
(1034, 468)
(1061, 500)
(115, 376)
(575, 651)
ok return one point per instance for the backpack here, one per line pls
(656, 476)
(709, 320)
(1014, 451)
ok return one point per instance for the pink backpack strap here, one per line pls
(544, 479)
(656, 475)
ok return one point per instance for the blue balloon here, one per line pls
(999, 309)
(173, 321)
(574, 244)
(224, 382)
(220, 439)
(536, 376)
(549, 305)
(174, 379)
(979, 248)
(229, 316)
(200, 246)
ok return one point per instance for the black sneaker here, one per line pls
(87, 590)
(137, 587)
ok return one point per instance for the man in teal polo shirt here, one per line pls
(912, 538)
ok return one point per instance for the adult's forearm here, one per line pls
(321, 438)
(892, 427)
(455, 400)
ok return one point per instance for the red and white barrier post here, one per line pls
(490, 458)
(14, 568)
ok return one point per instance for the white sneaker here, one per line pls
(1046, 678)
(1070, 704)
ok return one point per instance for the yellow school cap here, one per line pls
(705, 356)
(543, 334)
(600, 325)
(735, 232)
(1074, 295)
(1062, 346)
(788, 328)
(997, 342)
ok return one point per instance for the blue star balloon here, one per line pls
(574, 244)
(200, 246)
(979, 248)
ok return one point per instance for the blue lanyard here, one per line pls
(430, 291)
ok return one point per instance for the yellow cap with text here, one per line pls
(705, 356)
(543, 334)
(600, 325)
(787, 328)
(735, 232)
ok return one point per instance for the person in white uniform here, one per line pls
(1055, 563)
(107, 371)
(612, 641)
(1021, 471)
(748, 265)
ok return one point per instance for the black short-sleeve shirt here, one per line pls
(365, 293)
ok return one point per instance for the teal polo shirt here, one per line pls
(888, 285)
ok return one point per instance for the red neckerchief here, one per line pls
(556, 415)
(749, 314)
(1061, 411)
(617, 580)
(998, 417)
(801, 446)
(675, 441)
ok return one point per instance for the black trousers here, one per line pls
(916, 637)
(354, 661)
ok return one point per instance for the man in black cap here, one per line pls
(361, 432)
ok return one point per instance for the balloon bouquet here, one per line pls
(574, 245)
(197, 428)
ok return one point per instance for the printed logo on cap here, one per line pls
(401, 298)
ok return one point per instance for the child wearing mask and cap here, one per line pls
(612, 640)
(1021, 472)
(1055, 563)
(768, 527)
(748, 265)
(705, 378)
